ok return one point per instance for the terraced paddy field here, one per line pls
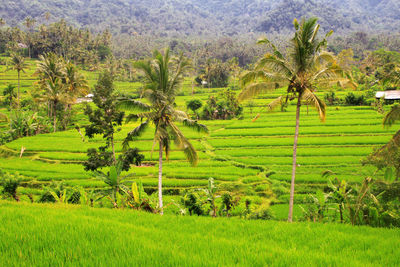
(40, 235)
(237, 153)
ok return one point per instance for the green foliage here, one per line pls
(192, 202)
(10, 184)
(9, 94)
(386, 158)
(215, 73)
(194, 105)
(262, 212)
(353, 100)
(224, 106)
(103, 121)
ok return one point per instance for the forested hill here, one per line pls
(206, 17)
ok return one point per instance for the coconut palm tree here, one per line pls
(54, 93)
(18, 63)
(305, 67)
(29, 24)
(162, 77)
(50, 70)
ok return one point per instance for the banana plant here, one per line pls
(138, 199)
(61, 197)
(114, 180)
(211, 196)
(87, 198)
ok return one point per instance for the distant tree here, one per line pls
(224, 106)
(305, 67)
(29, 24)
(216, 73)
(162, 76)
(18, 63)
(194, 105)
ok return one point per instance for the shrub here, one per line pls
(223, 107)
(352, 100)
(262, 212)
(10, 184)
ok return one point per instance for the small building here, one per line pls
(87, 98)
(388, 95)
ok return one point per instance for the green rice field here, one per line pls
(237, 151)
(59, 235)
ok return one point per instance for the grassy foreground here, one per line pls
(56, 235)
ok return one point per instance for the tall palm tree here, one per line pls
(50, 70)
(29, 24)
(302, 70)
(18, 63)
(54, 93)
(162, 78)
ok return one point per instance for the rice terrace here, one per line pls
(199, 133)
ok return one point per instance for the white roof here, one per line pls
(390, 94)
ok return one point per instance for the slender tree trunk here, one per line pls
(296, 137)
(54, 117)
(113, 149)
(18, 103)
(341, 213)
(160, 200)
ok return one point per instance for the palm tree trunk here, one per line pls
(54, 117)
(296, 137)
(160, 201)
(113, 148)
(18, 103)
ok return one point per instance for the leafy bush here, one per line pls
(353, 100)
(262, 212)
(223, 107)
(10, 184)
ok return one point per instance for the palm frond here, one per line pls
(132, 105)
(179, 115)
(310, 98)
(392, 116)
(277, 102)
(255, 89)
(183, 143)
(132, 135)
(131, 117)
(201, 128)
(270, 63)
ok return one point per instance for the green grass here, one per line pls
(56, 235)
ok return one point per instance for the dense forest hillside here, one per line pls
(175, 18)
